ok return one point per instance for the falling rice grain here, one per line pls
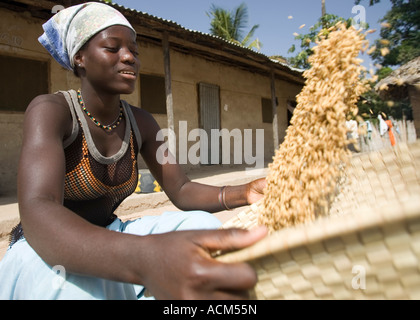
(306, 167)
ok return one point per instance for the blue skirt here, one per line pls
(25, 276)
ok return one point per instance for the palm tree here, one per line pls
(231, 25)
(324, 12)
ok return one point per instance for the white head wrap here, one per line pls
(68, 30)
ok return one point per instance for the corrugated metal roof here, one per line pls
(239, 53)
(177, 25)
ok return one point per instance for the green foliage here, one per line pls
(371, 2)
(370, 105)
(400, 37)
(383, 73)
(230, 25)
(307, 41)
(400, 34)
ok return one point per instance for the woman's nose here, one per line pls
(128, 57)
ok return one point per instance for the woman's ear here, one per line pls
(78, 64)
(78, 60)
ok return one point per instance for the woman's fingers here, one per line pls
(226, 280)
(230, 239)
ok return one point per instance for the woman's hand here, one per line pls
(255, 190)
(180, 266)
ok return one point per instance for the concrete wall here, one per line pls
(240, 91)
(18, 37)
(240, 96)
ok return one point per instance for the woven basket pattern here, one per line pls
(367, 248)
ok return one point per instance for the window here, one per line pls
(153, 94)
(21, 80)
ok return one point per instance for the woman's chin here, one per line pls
(125, 89)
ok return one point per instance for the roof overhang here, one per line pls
(153, 29)
(395, 86)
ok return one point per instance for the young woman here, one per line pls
(78, 163)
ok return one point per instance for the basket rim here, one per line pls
(325, 228)
(405, 207)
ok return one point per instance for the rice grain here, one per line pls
(306, 167)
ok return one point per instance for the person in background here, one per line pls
(383, 127)
(368, 130)
(353, 134)
(390, 132)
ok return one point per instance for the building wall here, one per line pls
(18, 37)
(240, 94)
(240, 91)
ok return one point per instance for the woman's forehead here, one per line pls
(116, 32)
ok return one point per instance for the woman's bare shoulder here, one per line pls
(145, 121)
(49, 100)
(50, 109)
(139, 112)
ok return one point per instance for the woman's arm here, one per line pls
(57, 234)
(182, 192)
(61, 237)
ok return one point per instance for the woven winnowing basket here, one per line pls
(368, 248)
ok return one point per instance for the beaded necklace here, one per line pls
(109, 127)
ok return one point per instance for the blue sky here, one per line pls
(276, 27)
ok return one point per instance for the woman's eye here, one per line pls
(112, 49)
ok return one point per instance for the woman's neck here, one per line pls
(102, 105)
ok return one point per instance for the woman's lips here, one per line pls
(131, 75)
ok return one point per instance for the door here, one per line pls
(209, 97)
